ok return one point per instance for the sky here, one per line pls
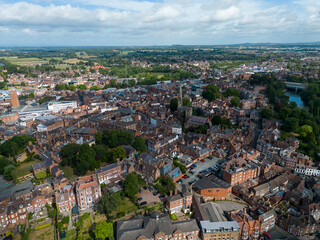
(157, 22)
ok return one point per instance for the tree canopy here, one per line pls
(235, 102)
(132, 184)
(108, 203)
(140, 144)
(211, 92)
(103, 230)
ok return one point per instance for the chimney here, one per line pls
(118, 161)
(170, 193)
(175, 192)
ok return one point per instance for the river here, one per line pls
(294, 97)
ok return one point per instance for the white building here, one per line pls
(57, 106)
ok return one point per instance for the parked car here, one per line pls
(202, 160)
(185, 177)
(192, 172)
(179, 181)
(156, 193)
(140, 190)
(194, 165)
(161, 196)
(139, 199)
(144, 187)
(143, 203)
(267, 235)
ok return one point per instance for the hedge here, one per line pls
(42, 226)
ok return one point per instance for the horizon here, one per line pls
(157, 22)
(168, 45)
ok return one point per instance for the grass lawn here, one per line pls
(99, 218)
(17, 236)
(73, 60)
(68, 171)
(43, 234)
(71, 235)
(25, 168)
(61, 66)
(126, 206)
(26, 61)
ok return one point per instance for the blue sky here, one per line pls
(156, 22)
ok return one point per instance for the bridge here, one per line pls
(296, 86)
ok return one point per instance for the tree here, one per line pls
(131, 185)
(65, 220)
(108, 203)
(231, 92)
(3, 163)
(31, 95)
(140, 144)
(117, 153)
(41, 175)
(266, 113)
(305, 130)
(103, 230)
(9, 172)
(216, 120)
(186, 102)
(290, 124)
(211, 92)
(174, 104)
(235, 102)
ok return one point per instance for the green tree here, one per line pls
(9, 172)
(231, 92)
(186, 102)
(140, 144)
(235, 102)
(95, 88)
(3, 163)
(290, 124)
(108, 203)
(71, 87)
(211, 92)
(117, 153)
(103, 230)
(31, 95)
(82, 87)
(305, 130)
(174, 104)
(266, 113)
(131, 185)
(41, 175)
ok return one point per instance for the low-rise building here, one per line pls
(219, 230)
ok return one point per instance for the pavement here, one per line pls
(278, 233)
(147, 196)
(8, 188)
(230, 206)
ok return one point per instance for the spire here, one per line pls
(180, 99)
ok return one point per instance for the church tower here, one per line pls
(180, 99)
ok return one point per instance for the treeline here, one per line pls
(108, 148)
(14, 146)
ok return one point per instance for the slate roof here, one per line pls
(211, 182)
(149, 226)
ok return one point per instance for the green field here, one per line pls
(125, 206)
(43, 234)
(25, 168)
(68, 171)
(25, 61)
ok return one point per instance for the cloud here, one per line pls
(139, 22)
